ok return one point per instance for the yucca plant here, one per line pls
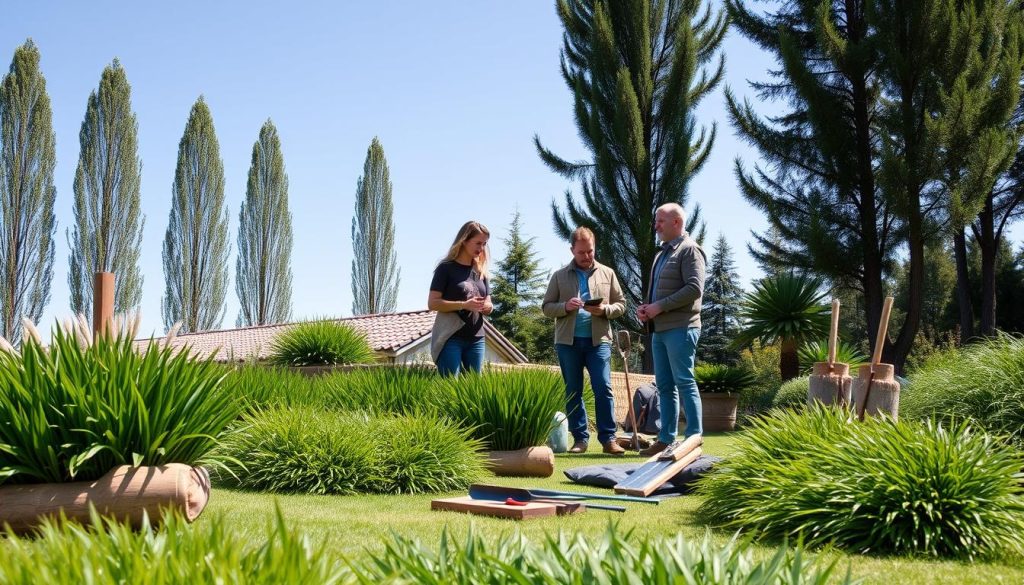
(507, 410)
(882, 486)
(817, 351)
(619, 556)
(320, 343)
(75, 410)
(399, 389)
(721, 378)
(983, 381)
(786, 309)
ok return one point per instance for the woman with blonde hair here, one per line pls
(461, 295)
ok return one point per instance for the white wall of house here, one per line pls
(420, 354)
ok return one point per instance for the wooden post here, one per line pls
(102, 301)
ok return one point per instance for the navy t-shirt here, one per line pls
(458, 282)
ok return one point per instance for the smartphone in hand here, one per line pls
(594, 302)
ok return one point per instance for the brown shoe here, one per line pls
(613, 448)
(580, 446)
(654, 449)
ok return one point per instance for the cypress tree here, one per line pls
(263, 278)
(637, 70)
(375, 272)
(107, 234)
(196, 244)
(519, 285)
(720, 307)
(27, 192)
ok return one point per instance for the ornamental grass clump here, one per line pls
(722, 379)
(398, 389)
(983, 381)
(78, 408)
(304, 450)
(320, 343)
(817, 351)
(881, 487)
(508, 409)
(266, 387)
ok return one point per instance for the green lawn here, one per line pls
(355, 525)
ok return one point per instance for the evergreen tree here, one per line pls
(518, 289)
(263, 277)
(720, 307)
(196, 244)
(27, 192)
(637, 70)
(375, 271)
(107, 235)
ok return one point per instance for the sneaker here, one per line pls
(580, 446)
(613, 448)
(654, 449)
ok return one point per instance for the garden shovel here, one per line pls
(625, 343)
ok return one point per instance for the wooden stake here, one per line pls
(833, 334)
(102, 302)
(876, 358)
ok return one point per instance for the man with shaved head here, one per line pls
(671, 312)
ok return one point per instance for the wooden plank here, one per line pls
(492, 508)
(654, 474)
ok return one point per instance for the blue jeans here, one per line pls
(674, 353)
(461, 353)
(596, 358)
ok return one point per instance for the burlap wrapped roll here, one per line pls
(529, 462)
(125, 492)
(829, 384)
(883, 395)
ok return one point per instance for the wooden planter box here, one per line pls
(125, 492)
(529, 462)
(718, 411)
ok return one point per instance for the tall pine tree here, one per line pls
(375, 272)
(637, 70)
(263, 277)
(27, 192)
(107, 235)
(720, 307)
(518, 288)
(196, 244)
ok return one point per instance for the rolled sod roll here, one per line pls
(529, 462)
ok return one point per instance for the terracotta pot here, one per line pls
(718, 411)
(529, 462)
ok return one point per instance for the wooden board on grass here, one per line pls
(661, 468)
(502, 510)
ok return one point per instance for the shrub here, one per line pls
(107, 552)
(719, 378)
(75, 411)
(882, 486)
(507, 410)
(792, 394)
(984, 382)
(763, 362)
(617, 557)
(817, 351)
(399, 389)
(302, 450)
(320, 343)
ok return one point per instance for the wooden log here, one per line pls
(125, 493)
(102, 301)
(830, 384)
(884, 396)
(529, 462)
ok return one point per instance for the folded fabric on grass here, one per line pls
(609, 475)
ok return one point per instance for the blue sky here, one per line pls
(454, 90)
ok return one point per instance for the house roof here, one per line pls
(388, 333)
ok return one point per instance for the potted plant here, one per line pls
(720, 387)
(315, 347)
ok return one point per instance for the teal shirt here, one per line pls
(583, 326)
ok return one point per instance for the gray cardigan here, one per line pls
(681, 284)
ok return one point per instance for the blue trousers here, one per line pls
(460, 353)
(674, 353)
(596, 359)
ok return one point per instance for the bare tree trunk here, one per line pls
(963, 286)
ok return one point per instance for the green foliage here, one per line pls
(27, 192)
(263, 276)
(259, 386)
(107, 552)
(399, 389)
(507, 410)
(817, 351)
(320, 343)
(983, 382)
(196, 247)
(375, 271)
(69, 412)
(306, 450)
(792, 394)
(615, 557)
(107, 236)
(784, 306)
(763, 362)
(882, 486)
(720, 378)
(720, 307)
